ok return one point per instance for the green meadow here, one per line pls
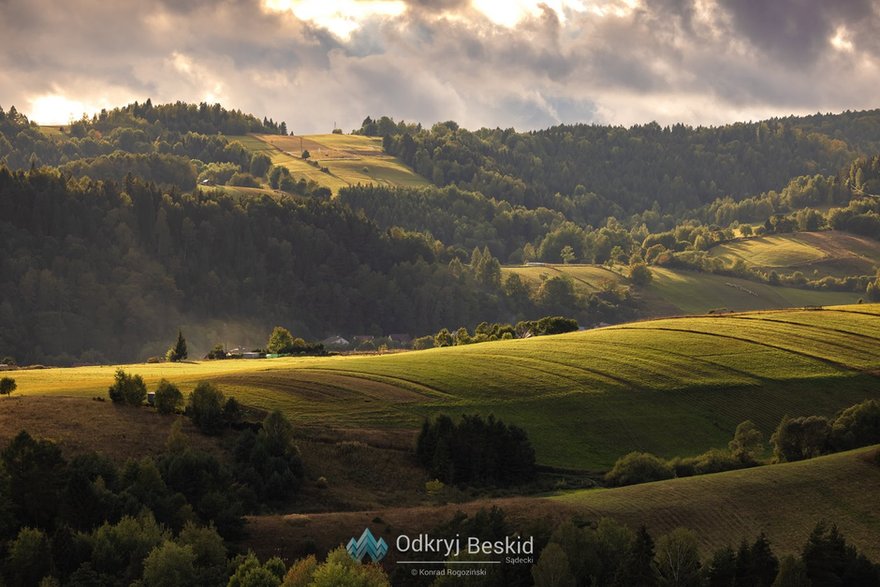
(675, 291)
(815, 254)
(675, 386)
(784, 501)
(350, 159)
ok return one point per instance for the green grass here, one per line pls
(671, 386)
(675, 291)
(351, 159)
(587, 278)
(690, 292)
(52, 130)
(816, 254)
(785, 501)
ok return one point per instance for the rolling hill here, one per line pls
(815, 254)
(675, 291)
(350, 159)
(784, 501)
(671, 386)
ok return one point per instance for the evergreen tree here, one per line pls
(178, 351)
(722, 568)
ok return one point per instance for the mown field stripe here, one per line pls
(836, 364)
(799, 324)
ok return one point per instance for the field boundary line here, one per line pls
(836, 364)
(813, 326)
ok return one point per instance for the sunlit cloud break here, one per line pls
(518, 63)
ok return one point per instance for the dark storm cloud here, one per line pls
(696, 61)
(796, 31)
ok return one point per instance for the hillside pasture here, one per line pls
(675, 387)
(675, 291)
(816, 254)
(351, 159)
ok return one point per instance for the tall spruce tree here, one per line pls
(178, 351)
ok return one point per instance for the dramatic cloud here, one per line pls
(514, 63)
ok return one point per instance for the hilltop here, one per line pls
(674, 386)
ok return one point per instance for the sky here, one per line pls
(320, 64)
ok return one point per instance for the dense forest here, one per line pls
(116, 231)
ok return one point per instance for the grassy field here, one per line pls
(351, 159)
(672, 386)
(674, 292)
(816, 254)
(784, 501)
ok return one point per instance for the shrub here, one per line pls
(857, 426)
(423, 342)
(168, 398)
(747, 444)
(218, 352)
(796, 439)
(638, 467)
(245, 180)
(7, 386)
(640, 274)
(205, 407)
(716, 461)
(129, 389)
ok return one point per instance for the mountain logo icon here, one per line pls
(367, 545)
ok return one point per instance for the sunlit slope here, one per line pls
(671, 386)
(675, 291)
(815, 254)
(785, 501)
(349, 159)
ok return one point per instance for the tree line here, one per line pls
(794, 439)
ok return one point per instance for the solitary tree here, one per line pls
(260, 164)
(640, 274)
(205, 407)
(7, 386)
(178, 351)
(678, 560)
(747, 444)
(168, 397)
(280, 341)
(129, 389)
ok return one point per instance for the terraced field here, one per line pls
(674, 292)
(816, 254)
(671, 386)
(351, 159)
